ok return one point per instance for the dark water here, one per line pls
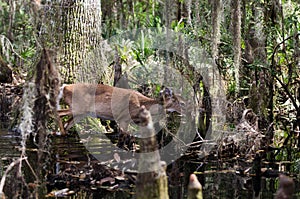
(9, 144)
(219, 179)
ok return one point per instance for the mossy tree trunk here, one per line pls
(47, 87)
(236, 33)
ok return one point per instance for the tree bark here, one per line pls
(236, 28)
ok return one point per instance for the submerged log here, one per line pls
(152, 181)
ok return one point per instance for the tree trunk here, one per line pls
(47, 88)
(217, 10)
(236, 28)
(73, 28)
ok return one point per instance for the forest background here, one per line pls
(253, 44)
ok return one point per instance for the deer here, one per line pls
(112, 103)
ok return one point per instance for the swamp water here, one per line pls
(74, 168)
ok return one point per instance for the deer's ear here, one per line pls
(166, 93)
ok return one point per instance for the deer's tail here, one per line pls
(60, 95)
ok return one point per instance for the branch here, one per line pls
(281, 83)
(2, 183)
(278, 45)
(286, 89)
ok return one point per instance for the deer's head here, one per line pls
(172, 102)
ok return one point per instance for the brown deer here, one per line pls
(112, 103)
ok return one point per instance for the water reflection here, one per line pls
(73, 167)
(9, 143)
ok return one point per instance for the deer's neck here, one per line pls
(150, 103)
(153, 105)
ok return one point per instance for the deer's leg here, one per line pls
(72, 120)
(125, 140)
(60, 114)
(59, 122)
(125, 113)
(69, 123)
(124, 136)
(61, 126)
(64, 112)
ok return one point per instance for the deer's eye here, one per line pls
(181, 103)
